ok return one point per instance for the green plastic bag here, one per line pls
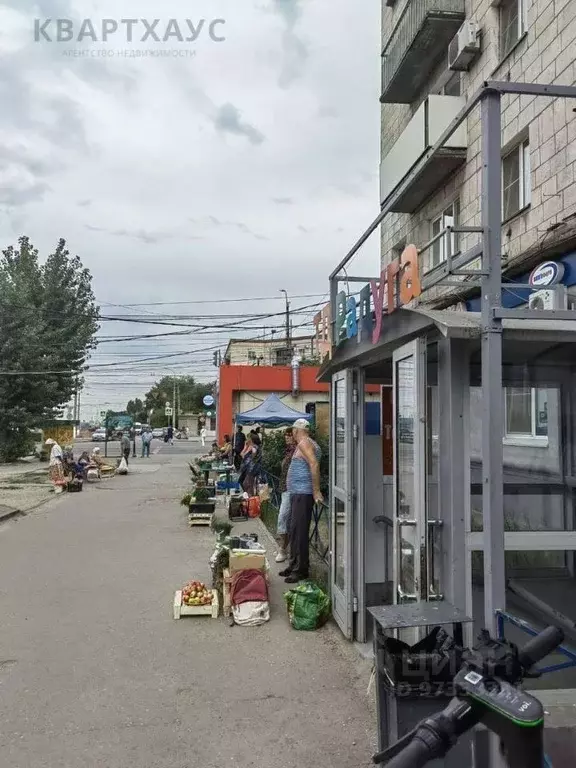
(308, 606)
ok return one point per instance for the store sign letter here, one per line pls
(399, 283)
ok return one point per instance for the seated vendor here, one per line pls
(102, 465)
(226, 449)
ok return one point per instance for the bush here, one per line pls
(16, 443)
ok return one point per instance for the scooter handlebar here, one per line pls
(415, 755)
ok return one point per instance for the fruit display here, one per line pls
(196, 593)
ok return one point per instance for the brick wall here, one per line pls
(545, 55)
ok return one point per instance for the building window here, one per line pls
(448, 244)
(512, 24)
(526, 413)
(516, 187)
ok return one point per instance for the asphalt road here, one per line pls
(95, 672)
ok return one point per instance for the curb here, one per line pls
(23, 512)
(4, 516)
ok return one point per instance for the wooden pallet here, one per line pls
(199, 519)
(196, 610)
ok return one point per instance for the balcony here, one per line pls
(427, 125)
(417, 44)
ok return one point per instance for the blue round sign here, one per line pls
(208, 400)
(546, 274)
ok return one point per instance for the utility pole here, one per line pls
(173, 399)
(288, 344)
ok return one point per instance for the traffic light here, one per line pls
(216, 359)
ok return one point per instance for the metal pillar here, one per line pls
(492, 394)
(333, 295)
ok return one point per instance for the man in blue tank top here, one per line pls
(303, 485)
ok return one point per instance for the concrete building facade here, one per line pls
(515, 40)
(264, 352)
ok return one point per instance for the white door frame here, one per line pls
(413, 526)
(341, 495)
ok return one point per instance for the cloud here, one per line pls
(327, 111)
(199, 168)
(145, 236)
(227, 120)
(295, 51)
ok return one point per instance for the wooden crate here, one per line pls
(199, 519)
(226, 601)
(196, 610)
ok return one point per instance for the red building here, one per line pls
(242, 387)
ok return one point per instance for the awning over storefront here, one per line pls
(271, 412)
(406, 324)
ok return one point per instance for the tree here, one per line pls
(189, 391)
(137, 410)
(48, 320)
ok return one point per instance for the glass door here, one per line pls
(341, 501)
(409, 393)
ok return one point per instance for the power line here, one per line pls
(214, 301)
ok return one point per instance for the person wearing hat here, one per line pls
(303, 485)
(56, 467)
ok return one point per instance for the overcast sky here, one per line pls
(239, 168)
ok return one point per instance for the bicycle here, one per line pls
(488, 692)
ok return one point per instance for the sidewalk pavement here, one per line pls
(98, 673)
(20, 467)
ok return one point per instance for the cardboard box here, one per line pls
(244, 559)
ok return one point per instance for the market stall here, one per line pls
(272, 412)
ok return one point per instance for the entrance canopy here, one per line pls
(271, 412)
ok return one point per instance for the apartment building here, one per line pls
(435, 54)
(412, 499)
(270, 351)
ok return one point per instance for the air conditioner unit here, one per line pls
(464, 47)
(549, 298)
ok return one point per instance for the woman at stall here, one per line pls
(56, 467)
(249, 469)
(98, 461)
(283, 526)
(226, 449)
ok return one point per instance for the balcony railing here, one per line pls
(416, 45)
(424, 129)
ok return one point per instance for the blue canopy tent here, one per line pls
(272, 413)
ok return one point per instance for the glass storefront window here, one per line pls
(406, 412)
(536, 494)
(548, 577)
(405, 457)
(339, 388)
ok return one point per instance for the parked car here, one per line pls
(159, 432)
(99, 436)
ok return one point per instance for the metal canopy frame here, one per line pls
(488, 97)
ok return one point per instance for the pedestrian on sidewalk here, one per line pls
(56, 466)
(146, 440)
(125, 446)
(303, 485)
(203, 436)
(284, 514)
(170, 434)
